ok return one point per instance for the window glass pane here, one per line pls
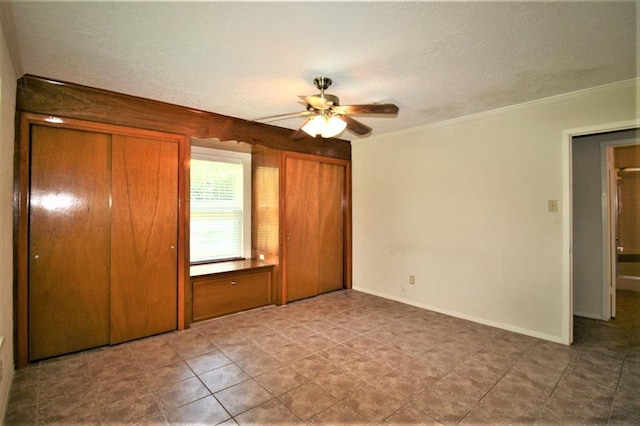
(216, 209)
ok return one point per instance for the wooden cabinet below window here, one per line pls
(230, 287)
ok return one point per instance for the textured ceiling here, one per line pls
(435, 60)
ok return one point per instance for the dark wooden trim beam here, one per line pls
(62, 99)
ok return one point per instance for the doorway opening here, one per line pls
(626, 215)
(605, 217)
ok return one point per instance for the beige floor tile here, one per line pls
(362, 344)
(441, 406)
(339, 383)
(340, 354)
(272, 412)
(243, 397)
(181, 393)
(411, 366)
(307, 400)
(168, 374)
(372, 403)
(202, 411)
(156, 358)
(320, 324)
(313, 366)
(193, 346)
(409, 415)
(368, 369)
(465, 388)
(208, 361)
(338, 414)
(271, 340)
(258, 364)
(297, 332)
(391, 357)
(223, 377)
(620, 418)
(126, 388)
(316, 342)
(503, 411)
(131, 410)
(21, 415)
(339, 334)
(239, 351)
(404, 385)
(281, 380)
(62, 404)
(290, 352)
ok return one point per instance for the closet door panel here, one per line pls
(144, 230)
(331, 227)
(68, 297)
(301, 230)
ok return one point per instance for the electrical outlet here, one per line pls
(412, 279)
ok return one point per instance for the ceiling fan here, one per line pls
(325, 116)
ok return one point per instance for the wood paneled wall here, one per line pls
(40, 99)
(45, 96)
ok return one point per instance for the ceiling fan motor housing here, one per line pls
(322, 83)
(332, 100)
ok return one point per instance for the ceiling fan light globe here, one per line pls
(327, 127)
(314, 126)
(333, 127)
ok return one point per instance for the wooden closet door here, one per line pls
(331, 227)
(144, 232)
(301, 228)
(68, 298)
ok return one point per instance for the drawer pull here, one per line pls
(234, 283)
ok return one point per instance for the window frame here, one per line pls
(214, 154)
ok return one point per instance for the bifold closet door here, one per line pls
(144, 232)
(68, 282)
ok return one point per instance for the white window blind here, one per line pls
(216, 208)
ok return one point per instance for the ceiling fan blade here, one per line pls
(316, 102)
(367, 109)
(277, 117)
(355, 126)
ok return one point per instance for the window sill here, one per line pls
(229, 266)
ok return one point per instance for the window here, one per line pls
(220, 205)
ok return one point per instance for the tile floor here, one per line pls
(344, 358)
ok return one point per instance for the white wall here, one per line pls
(7, 114)
(463, 206)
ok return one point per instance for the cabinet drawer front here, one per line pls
(214, 297)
